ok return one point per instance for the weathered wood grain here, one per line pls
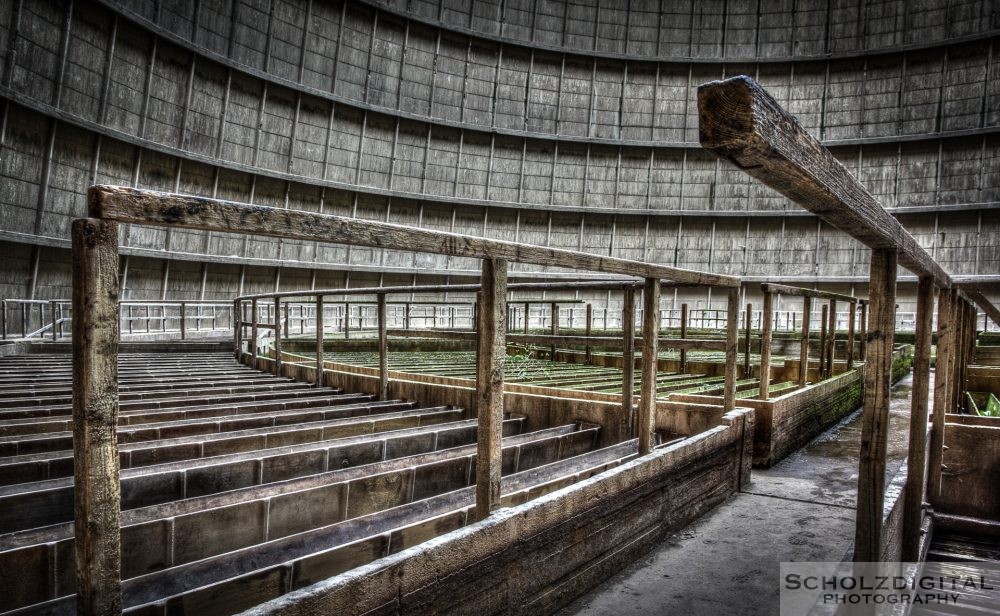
(916, 461)
(319, 340)
(254, 330)
(732, 341)
(783, 289)
(97, 493)
(767, 320)
(831, 341)
(683, 334)
(852, 310)
(823, 320)
(804, 348)
(942, 387)
(875, 413)
(628, 363)
(490, 357)
(741, 122)
(277, 336)
(148, 207)
(650, 338)
(746, 350)
(383, 349)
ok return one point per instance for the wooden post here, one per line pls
(943, 378)
(823, 318)
(406, 315)
(97, 496)
(490, 358)
(319, 341)
(3, 318)
(587, 328)
(804, 350)
(183, 321)
(683, 334)
(554, 328)
(347, 320)
(875, 414)
(765, 345)
(277, 336)
(527, 312)
(732, 337)
(852, 311)
(650, 342)
(863, 351)
(253, 332)
(55, 320)
(628, 363)
(383, 349)
(831, 341)
(916, 461)
(288, 315)
(237, 328)
(746, 354)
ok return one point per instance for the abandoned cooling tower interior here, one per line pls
(571, 307)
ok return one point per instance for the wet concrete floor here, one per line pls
(726, 563)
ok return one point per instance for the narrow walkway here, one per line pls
(726, 563)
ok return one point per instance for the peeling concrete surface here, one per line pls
(727, 562)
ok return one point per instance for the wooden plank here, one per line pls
(942, 387)
(383, 349)
(875, 413)
(916, 465)
(650, 338)
(148, 207)
(628, 363)
(804, 350)
(732, 337)
(739, 121)
(851, 315)
(556, 285)
(97, 496)
(683, 334)
(319, 341)
(611, 342)
(490, 357)
(767, 320)
(770, 287)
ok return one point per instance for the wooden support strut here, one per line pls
(237, 328)
(628, 363)
(804, 345)
(319, 341)
(97, 497)
(831, 341)
(732, 337)
(746, 353)
(254, 330)
(588, 325)
(942, 386)
(383, 350)
(277, 336)
(765, 345)
(916, 464)
(683, 334)
(490, 358)
(823, 319)
(650, 338)
(875, 413)
(851, 314)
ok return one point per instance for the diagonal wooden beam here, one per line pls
(740, 122)
(983, 302)
(147, 207)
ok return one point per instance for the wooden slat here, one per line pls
(490, 357)
(650, 337)
(739, 121)
(875, 413)
(916, 461)
(97, 495)
(146, 207)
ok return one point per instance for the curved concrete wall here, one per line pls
(403, 112)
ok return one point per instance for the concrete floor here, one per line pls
(727, 562)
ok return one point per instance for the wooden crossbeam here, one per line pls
(769, 287)
(147, 207)
(984, 303)
(613, 342)
(740, 122)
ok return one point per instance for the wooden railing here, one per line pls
(96, 335)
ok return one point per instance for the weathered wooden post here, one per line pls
(406, 315)
(831, 342)
(319, 341)
(684, 331)
(650, 343)
(237, 328)
(527, 312)
(851, 313)
(55, 320)
(916, 461)
(746, 354)
(863, 351)
(347, 320)
(277, 336)
(765, 345)
(943, 382)
(97, 495)
(554, 328)
(490, 358)
(875, 414)
(804, 349)
(383, 349)
(253, 332)
(628, 362)
(823, 318)
(587, 327)
(183, 320)
(732, 338)
(3, 319)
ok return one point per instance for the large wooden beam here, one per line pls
(628, 364)
(916, 461)
(650, 337)
(146, 207)
(739, 121)
(767, 321)
(490, 357)
(983, 302)
(875, 413)
(97, 495)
